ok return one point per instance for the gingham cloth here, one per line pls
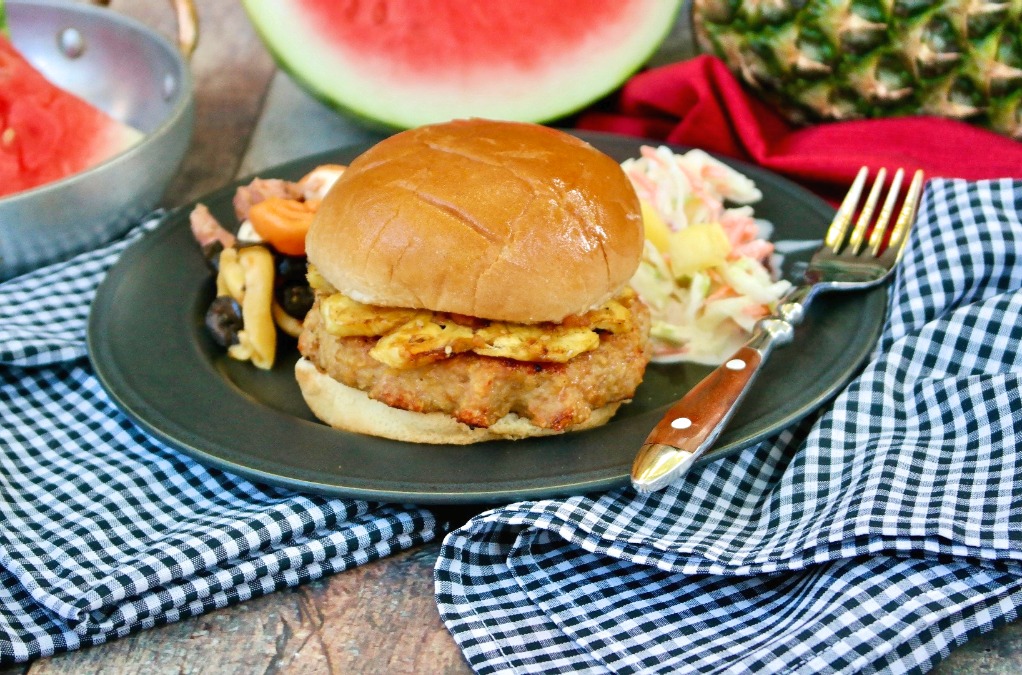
(104, 530)
(874, 537)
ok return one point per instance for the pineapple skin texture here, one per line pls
(832, 60)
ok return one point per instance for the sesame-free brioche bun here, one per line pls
(350, 409)
(498, 220)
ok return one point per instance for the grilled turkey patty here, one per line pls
(479, 390)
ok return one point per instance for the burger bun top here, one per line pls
(499, 220)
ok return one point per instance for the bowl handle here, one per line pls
(187, 24)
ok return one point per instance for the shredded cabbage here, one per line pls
(704, 310)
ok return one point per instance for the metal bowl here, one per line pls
(132, 73)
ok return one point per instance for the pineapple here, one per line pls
(820, 60)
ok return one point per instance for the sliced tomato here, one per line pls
(283, 223)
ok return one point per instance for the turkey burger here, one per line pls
(471, 284)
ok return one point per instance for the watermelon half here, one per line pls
(47, 133)
(403, 63)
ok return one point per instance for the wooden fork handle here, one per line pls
(692, 425)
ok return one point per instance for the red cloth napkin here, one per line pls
(700, 103)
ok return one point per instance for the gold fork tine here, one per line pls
(839, 226)
(908, 213)
(866, 215)
(876, 237)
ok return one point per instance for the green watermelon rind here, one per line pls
(334, 95)
(364, 119)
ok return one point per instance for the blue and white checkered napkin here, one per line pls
(104, 530)
(874, 537)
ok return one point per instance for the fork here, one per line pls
(851, 258)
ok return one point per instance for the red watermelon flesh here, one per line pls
(471, 39)
(409, 62)
(47, 133)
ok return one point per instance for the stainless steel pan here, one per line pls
(131, 72)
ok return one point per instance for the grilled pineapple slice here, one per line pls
(412, 337)
(345, 317)
(422, 340)
(535, 343)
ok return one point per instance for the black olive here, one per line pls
(296, 299)
(224, 320)
(212, 252)
(291, 269)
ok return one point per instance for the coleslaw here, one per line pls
(704, 271)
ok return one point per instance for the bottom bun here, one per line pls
(350, 409)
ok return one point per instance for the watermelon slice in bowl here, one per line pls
(113, 63)
(48, 133)
(402, 63)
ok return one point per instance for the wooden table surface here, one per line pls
(381, 617)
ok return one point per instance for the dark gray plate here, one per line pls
(150, 350)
